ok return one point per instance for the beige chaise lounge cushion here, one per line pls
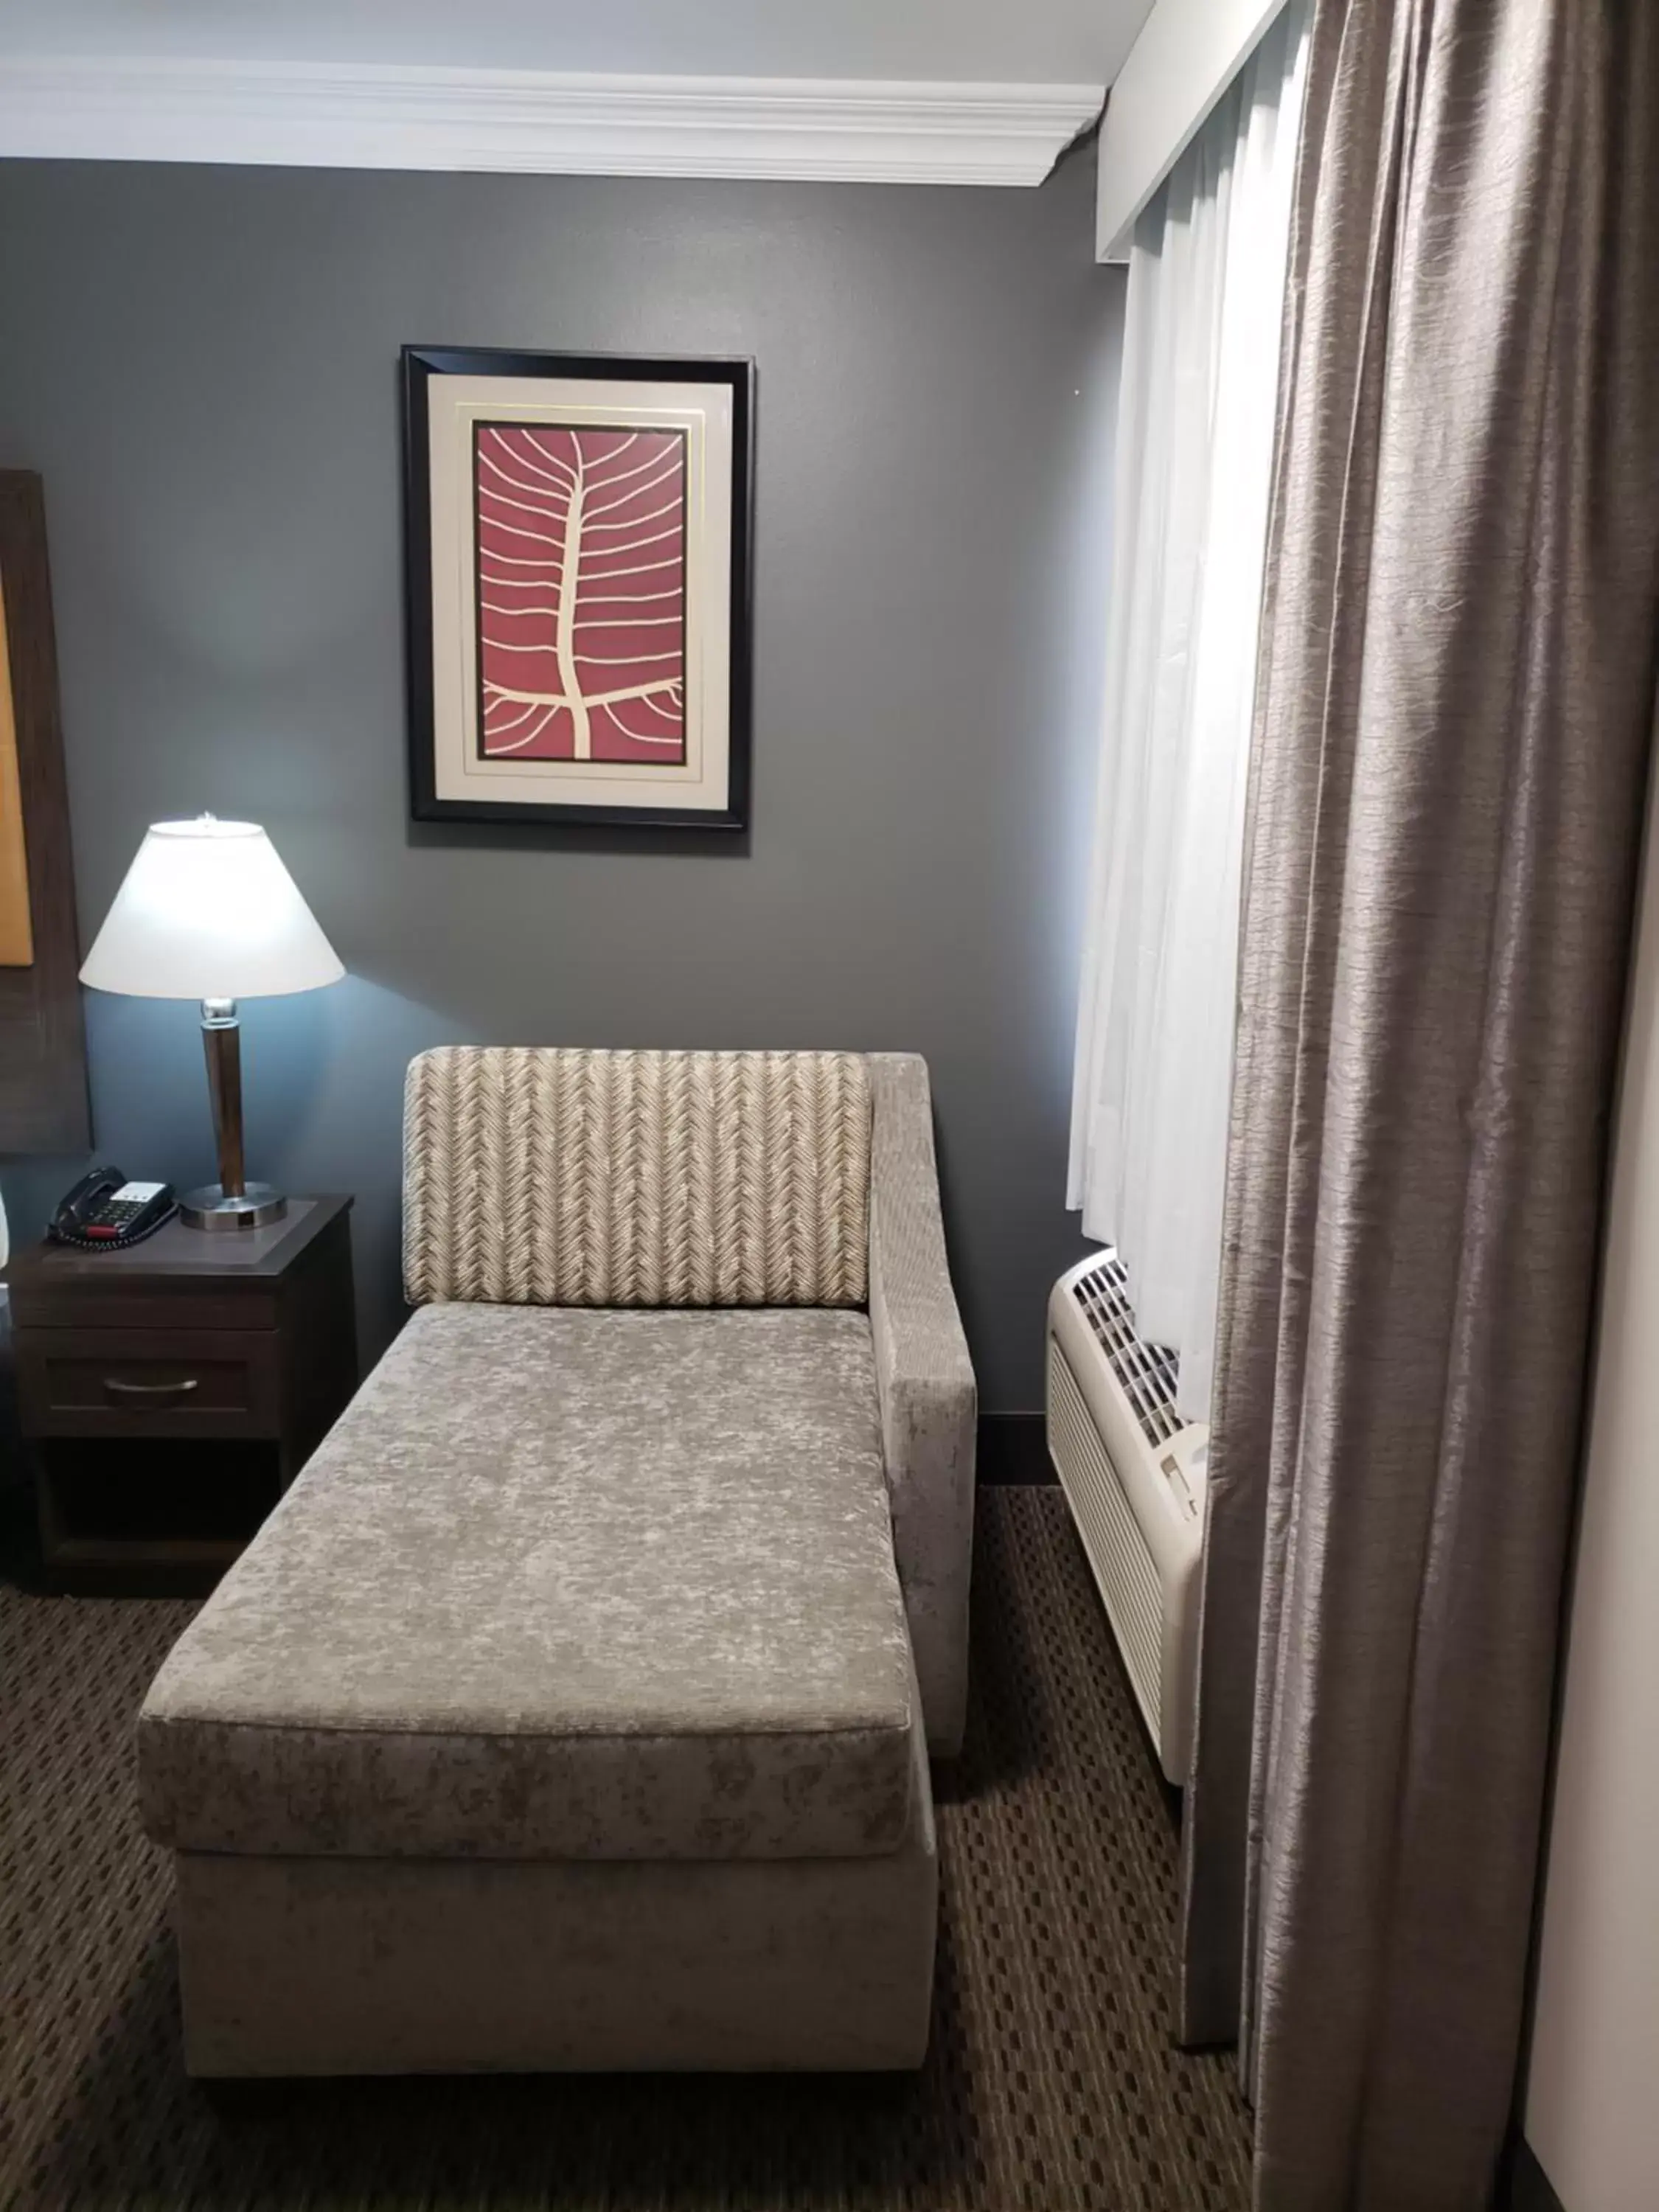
(562, 1583)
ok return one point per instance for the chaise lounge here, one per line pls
(573, 1709)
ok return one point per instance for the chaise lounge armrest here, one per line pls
(926, 1387)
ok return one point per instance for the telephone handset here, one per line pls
(105, 1212)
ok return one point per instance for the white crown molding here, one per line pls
(365, 115)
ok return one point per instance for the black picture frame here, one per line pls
(420, 365)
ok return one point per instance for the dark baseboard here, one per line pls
(1014, 1448)
(1524, 2186)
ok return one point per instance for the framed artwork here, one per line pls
(16, 923)
(42, 1068)
(578, 530)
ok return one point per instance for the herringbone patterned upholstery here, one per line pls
(535, 1176)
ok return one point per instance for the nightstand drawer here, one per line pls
(87, 1383)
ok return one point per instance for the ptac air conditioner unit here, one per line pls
(1134, 1475)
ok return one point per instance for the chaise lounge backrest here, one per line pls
(536, 1176)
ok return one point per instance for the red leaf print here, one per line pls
(582, 592)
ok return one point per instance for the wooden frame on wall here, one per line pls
(578, 532)
(42, 1064)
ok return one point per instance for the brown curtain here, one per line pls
(1450, 747)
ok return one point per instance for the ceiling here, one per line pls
(967, 42)
(959, 92)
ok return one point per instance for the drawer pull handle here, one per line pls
(148, 1390)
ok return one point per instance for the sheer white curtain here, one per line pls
(1195, 449)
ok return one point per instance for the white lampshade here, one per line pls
(208, 911)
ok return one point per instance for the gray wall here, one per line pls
(202, 364)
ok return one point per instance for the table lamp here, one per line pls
(208, 911)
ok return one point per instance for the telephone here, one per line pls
(105, 1212)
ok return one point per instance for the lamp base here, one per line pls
(252, 1207)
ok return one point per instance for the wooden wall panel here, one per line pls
(17, 930)
(43, 1069)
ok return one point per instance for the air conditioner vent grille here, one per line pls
(1145, 1371)
(1123, 1567)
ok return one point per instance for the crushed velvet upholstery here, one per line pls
(719, 1178)
(544, 1176)
(333, 1965)
(561, 1584)
(926, 1385)
(569, 1711)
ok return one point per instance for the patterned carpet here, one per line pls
(1050, 2084)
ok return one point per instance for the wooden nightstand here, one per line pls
(170, 1393)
